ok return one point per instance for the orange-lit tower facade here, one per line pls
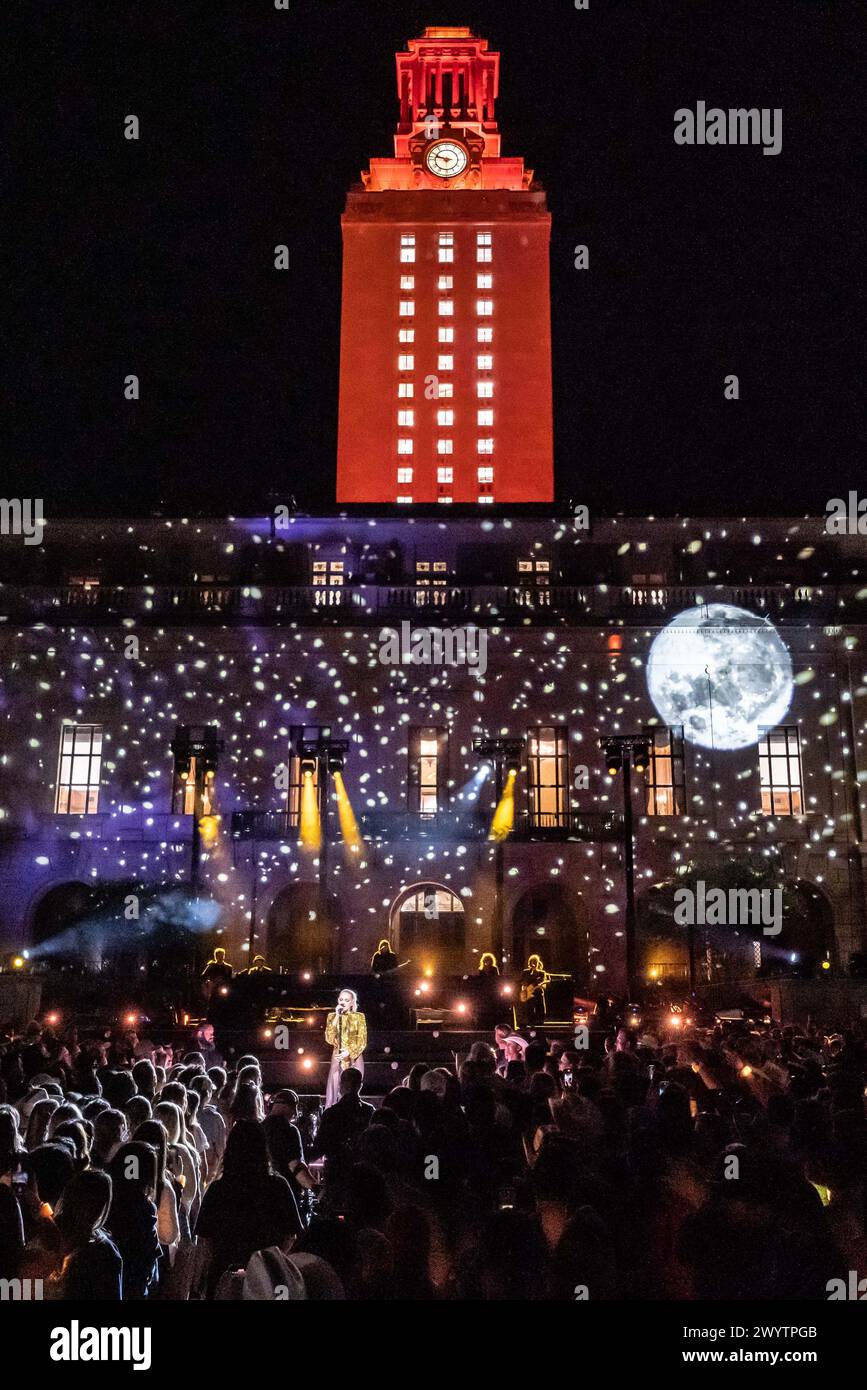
(445, 362)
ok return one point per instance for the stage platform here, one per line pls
(303, 1064)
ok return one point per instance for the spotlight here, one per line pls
(307, 1064)
(130, 1019)
(17, 962)
(460, 1007)
(52, 1019)
(335, 761)
(507, 989)
(746, 1071)
(308, 767)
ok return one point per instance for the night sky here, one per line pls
(156, 257)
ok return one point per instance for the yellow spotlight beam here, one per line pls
(348, 824)
(504, 817)
(311, 825)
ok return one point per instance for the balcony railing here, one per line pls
(389, 826)
(362, 604)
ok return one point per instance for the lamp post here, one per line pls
(622, 753)
(505, 755)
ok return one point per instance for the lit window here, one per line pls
(485, 335)
(665, 780)
(445, 418)
(485, 362)
(446, 335)
(484, 308)
(548, 777)
(446, 308)
(484, 282)
(445, 282)
(486, 446)
(407, 282)
(486, 474)
(407, 247)
(484, 255)
(406, 418)
(486, 497)
(406, 363)
(406, 335)
(404, 475)
(484, 417)
(328, 572)
(78, 770)
(445, 446)
(446, 247)
(406, 308)
(780, 771)
(445, 499)
(485, 390)
(404, 446)
(445, 362)
(445, 475)
(445, 389)
(405, 390)
(484, 238)
(404, 499)
(427, 781)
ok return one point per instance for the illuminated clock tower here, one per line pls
(445, 363)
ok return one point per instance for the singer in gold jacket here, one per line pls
(346, 1033)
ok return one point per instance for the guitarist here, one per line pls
(532, 992)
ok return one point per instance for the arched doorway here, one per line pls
(545, 922)
(298, 937)
(428, 926)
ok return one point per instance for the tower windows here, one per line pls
(446, 247)
(406, 362)
(484, 248)
(407, 247)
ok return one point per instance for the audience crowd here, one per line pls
(726, 1163)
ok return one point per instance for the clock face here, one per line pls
(446, 159)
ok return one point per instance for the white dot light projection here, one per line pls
(722, 673)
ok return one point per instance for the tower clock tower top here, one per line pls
(447, 136)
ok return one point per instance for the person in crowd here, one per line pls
(248, 1208)
(92, 1266)
(132, 1217)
